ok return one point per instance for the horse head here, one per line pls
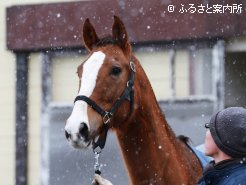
(105, 86)
(105, 100)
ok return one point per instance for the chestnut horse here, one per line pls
(108, 78)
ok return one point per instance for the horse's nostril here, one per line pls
(83, 130)
(68, 136)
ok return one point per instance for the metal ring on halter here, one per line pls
(127, 84)
(132, 65)
(106, 117)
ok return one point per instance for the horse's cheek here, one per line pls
(95, 121)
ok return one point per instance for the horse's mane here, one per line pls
(184, 139)
(106, 41)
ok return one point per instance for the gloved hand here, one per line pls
(98, 180)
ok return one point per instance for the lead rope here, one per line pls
(97, 165)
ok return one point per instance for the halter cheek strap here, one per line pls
(128, 94)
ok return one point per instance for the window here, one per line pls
(178, 73)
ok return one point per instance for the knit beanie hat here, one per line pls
(228, 129)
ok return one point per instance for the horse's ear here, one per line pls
(119, 34)
(89, 35)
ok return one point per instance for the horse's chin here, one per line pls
(81, 144)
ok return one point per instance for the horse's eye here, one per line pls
(115, 71)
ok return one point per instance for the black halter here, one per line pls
(128, 94)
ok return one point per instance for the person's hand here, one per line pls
(98, 180)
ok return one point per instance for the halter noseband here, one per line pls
(128, 94)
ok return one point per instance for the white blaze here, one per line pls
(91, 68)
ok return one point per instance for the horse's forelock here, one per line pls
(108, 40)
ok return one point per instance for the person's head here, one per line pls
(226, 135)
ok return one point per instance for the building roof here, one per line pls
(59, 25)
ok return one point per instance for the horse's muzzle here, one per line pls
(79, 139)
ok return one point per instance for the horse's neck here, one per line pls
(148, 145)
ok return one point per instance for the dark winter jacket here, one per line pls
(228, 172)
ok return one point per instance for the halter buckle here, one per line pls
(106, 117)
